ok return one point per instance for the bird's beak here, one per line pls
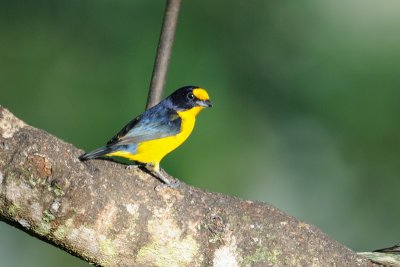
(204, 103)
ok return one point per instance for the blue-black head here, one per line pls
(189, 97)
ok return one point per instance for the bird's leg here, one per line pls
(154, 168)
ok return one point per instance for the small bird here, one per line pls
(149, 137)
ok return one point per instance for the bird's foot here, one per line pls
(174, 184)
(157, 172)
(167, 182)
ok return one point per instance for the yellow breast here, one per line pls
(155, 150)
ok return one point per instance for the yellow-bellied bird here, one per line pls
(148, 138)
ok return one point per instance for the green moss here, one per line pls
(15, 176)
(262, 255)
(273, 256)
(107, 247)
(11, 177)
(48, 216)
(58, 191)
(43, 228)
(246, 219)
(32, 182)
(61, 232)
(13, 209)
(26, 173)
(173, 253)
(28, 176)
(270, 236)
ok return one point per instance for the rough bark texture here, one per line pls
(111, 216)
(384, 259)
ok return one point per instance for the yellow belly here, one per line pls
(155, 150)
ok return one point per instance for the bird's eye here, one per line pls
(190, 96)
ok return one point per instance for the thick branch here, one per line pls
(163, 52)
(384, 259)
(115, 217)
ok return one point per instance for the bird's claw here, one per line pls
(174, 184)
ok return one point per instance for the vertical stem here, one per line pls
(163, 52)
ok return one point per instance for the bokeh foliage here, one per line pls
(306, 99)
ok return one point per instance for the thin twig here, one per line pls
(163, 52)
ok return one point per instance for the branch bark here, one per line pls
(383, 259)
(110, 216)
(163, 52)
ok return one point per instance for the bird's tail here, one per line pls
(97, 153)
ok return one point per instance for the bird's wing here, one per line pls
(154, 123)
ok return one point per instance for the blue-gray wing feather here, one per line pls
(157, 122)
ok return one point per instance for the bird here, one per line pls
(149, 137)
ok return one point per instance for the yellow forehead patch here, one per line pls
(201, 94)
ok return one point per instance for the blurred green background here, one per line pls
(306, 96)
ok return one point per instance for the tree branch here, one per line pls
(163, 52)
(111, 216)
(384, 259)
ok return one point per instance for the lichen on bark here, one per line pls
(111, 216)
